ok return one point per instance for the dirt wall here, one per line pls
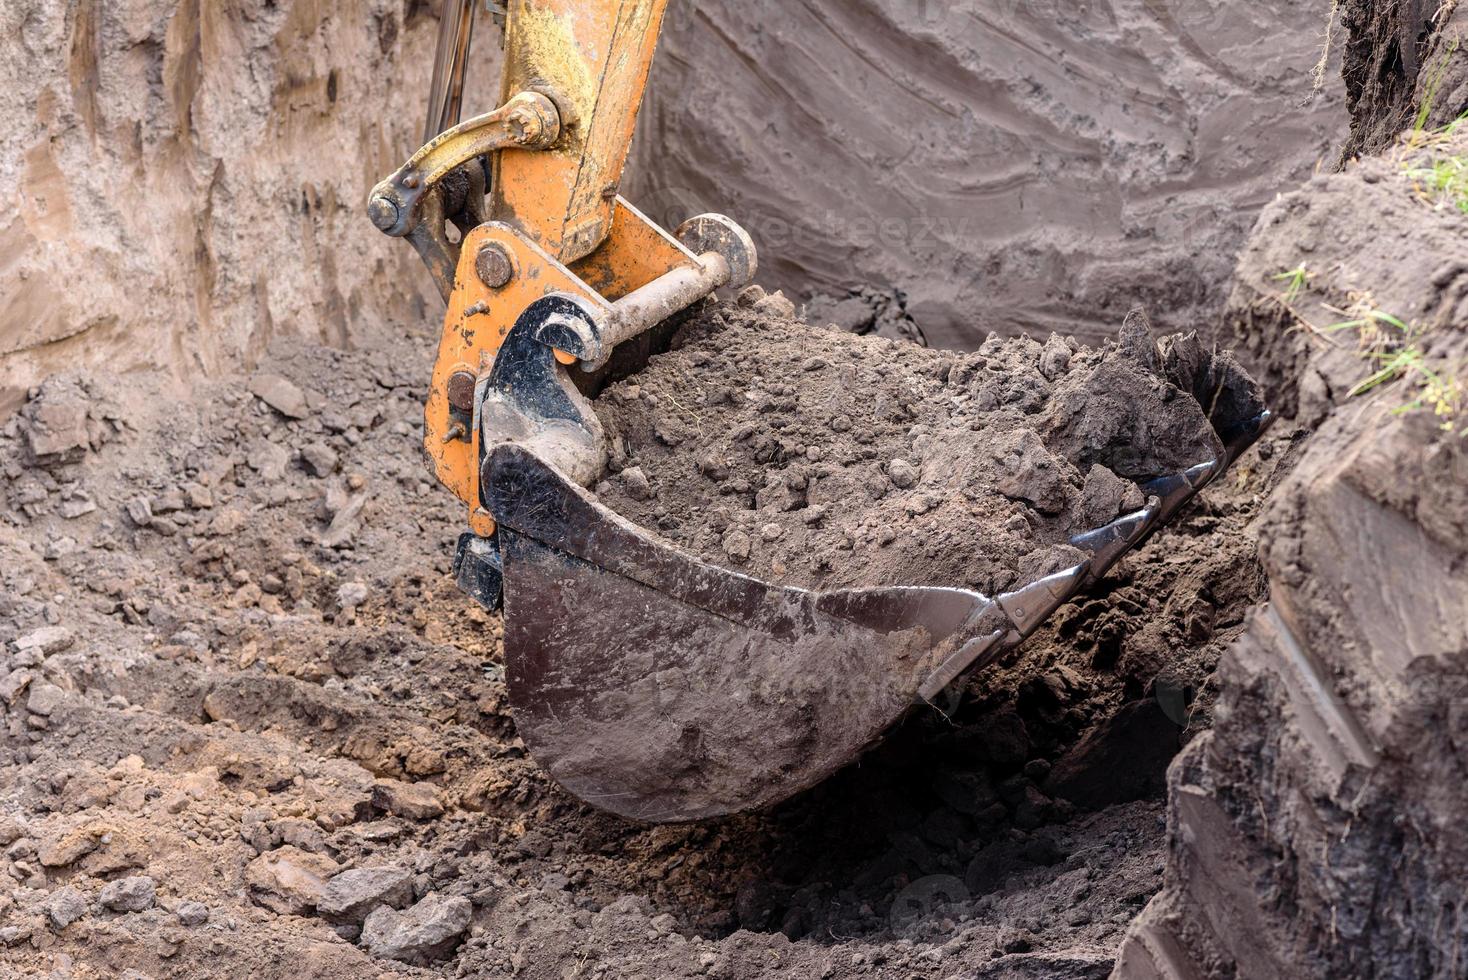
(1402, 60)
(189, 178)
(1027, 165)
(1313, 831)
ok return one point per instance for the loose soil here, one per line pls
(234, 662)
(817, 458)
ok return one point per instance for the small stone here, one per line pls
(199, 496)
(776, 304)
(288, 880)
(47, 640)
(1054, 357)
(139, 511)
(750, 295)
(352, 895)
(902, 474)
(64, 906)
(280, 394)
(168, 502)
(44, 699)
(75, 507)
(192, 913)
(320, 459)
(56, 423)
(1103, 495)
(351, 595)
(135, 894)
(635, 482)
(427, 931)
(736, 546)
(16, 934)
(268, 460)
(771, 532)
(13, 683)
(413, 801)
(11, 830)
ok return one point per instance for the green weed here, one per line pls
(1443, 182)
(1295, 280)
(1394, 346)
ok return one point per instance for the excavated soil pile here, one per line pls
(818, 458)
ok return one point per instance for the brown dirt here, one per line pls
(1314, 830)
(269, 658)
(1403, 61)
(816, 458)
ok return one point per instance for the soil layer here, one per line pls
(813, 457)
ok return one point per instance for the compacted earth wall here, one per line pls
(1315, 830)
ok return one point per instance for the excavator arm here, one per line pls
(551, 219)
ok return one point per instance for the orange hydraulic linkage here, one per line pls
(552, 220)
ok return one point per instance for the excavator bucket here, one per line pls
(662, 688)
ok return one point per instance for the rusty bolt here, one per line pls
(525, 125)
(461, 390)
(493, 265)
(383, 212)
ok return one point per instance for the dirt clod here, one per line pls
(817, 458)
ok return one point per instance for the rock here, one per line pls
(427, 931)
(268, 460)
(776, 304)
(192, 913)
(902, 474)
(320, 459)
(168, 502)
(288, 880)
(351, 895)
(64, 906)
(750, 295)
(1029, 473)
(47, 640)
(16, 934)
(1103, 495)
(135, 894)
(76, 506)
(351, 595)
(636, 483)
(139, 511)
(280, 394)
(11, 830)
(771, 532)
(13, 683)
(346, 521)
(736, 546)
(199, 497)
(413, 801)
(1054, 357)
(227, 522)
(44, 699)
(55, 424)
